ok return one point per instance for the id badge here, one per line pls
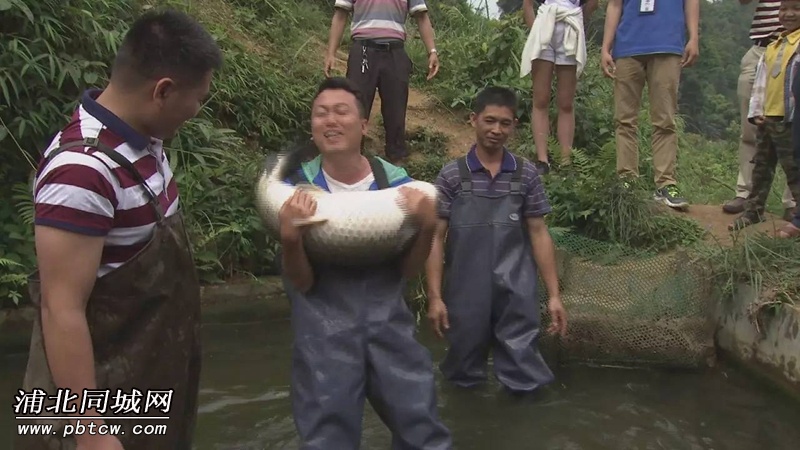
(647, 6)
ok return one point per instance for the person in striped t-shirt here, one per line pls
(116, 284)
(378, 60)
(764, 28)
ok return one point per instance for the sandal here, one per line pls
(788, 231)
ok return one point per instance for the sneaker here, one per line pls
(670, 196)
(543, 167)
(734, 206)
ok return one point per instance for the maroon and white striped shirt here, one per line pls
(84, 191)
(765, 20)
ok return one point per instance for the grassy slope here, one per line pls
(274, 53)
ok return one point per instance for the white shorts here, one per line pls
(555, 52)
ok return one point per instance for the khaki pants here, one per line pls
(662, 74)
(747, 139)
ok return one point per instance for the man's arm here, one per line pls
(419, 10)
(528, 12)
(425, 29)
(544, 253)
(294, 261)
(535, 208)
(414, 261)
(74, 211)
(295, 264)
(435, 262)
(341, 10)
(692, 14)
(613, 14)
(68, 264)
(433, 266)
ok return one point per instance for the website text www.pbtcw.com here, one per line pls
(90, 428)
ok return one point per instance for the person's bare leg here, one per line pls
(542, 75)
(566, 85)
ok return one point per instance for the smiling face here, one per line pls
(337, 124)
(789, 14)
(493, 127)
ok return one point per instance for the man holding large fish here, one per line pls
(353, 332)
(491, 228)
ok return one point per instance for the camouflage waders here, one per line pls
(774, 146)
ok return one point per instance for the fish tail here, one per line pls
(293, 157)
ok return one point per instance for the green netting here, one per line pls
(627, 307)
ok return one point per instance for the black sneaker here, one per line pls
(670, 196)
(543, 167)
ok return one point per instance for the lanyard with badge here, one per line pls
(647, 6)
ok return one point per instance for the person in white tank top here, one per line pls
(556, 44)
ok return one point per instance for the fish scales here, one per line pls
(356, 228)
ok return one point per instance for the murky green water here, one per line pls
(245, 403)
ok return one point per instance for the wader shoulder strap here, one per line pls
(379, 172)
(117, 158)
(516, 177)
(464, 173)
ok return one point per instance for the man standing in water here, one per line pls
(491, 227)
(353, 332)
(117, 291)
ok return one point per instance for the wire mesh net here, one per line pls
(628, 308)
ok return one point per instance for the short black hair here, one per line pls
(346, 85)
(164, 42)
(496, 96)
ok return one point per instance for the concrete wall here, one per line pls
(771, 349)
(772, 353)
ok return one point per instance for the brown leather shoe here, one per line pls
(734, 206)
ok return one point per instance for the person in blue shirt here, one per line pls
(353, 331)
(645, 41)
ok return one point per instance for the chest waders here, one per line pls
(490, 279)
(354, 340)
(144, 320)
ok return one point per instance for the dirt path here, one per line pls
(715, 221)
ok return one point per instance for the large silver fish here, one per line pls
(348, 228)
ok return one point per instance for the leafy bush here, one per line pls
(52, 51)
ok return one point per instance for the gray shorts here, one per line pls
(555, 52)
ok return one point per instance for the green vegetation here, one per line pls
(274, 51)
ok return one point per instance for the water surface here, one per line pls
(245, 403)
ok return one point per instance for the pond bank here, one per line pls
(769, 347)
(222, 299)
(772, 355)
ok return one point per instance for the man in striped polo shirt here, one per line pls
(116, 284)
(377, 58)
(764, 28)
(491, 227)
